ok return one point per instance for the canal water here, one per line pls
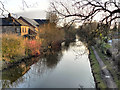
(66, 67)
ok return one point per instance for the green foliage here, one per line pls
(101, 43)
(105, 46)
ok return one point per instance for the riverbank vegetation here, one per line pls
(50, 34)
(15, 48)
(70, 32)
(98, 35)
(96, 70)
(110, 66)
(93, 33)
(12, 47)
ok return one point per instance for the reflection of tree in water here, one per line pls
(52, 59)
(13, 76)
(67, 45)
(46, 62)
(10, 76)
(79, 49)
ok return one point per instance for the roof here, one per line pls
(22, 23)
(30, 21)
(9, 22)
(41, 21)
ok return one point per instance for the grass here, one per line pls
(96, 70)
(110, 66)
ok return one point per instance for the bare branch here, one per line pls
(3, 9)
(65, 8)
(88, 9)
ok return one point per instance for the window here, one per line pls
(25, 29)
(18, 30)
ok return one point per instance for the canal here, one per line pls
(66, 67)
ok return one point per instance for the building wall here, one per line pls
(21, 30)
(32, 28)
(24, 30)
(36, 29)
(11, 29)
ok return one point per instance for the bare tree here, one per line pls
(25, 5)
(3, 9)
(87, 10)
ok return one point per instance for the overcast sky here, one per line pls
(27, 8)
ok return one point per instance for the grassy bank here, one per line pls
(110, 66)
(96, 70)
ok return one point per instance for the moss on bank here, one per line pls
(96, 70)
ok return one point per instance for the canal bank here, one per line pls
(96, 70)
(103, 77)
(43, 50)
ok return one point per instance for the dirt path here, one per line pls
(108, 78)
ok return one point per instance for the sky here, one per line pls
(27, 8)
(34, 9)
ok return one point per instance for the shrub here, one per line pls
(32, 47)
(12, 46)
(50, 33)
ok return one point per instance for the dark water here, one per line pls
(67, 67)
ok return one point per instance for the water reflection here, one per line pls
(44, 62)
(66, 45)
(64, 67)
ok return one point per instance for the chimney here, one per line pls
(9, 15)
